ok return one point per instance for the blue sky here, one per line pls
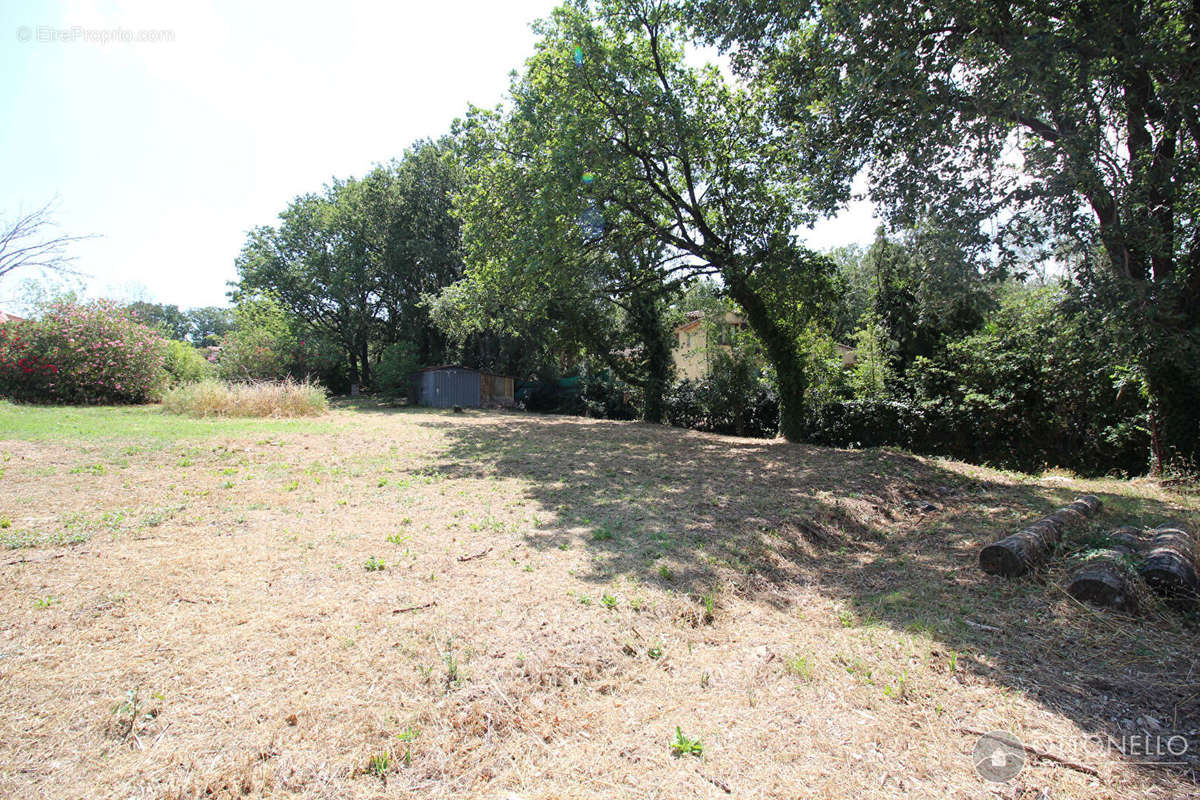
(171, 150)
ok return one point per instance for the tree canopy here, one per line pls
(1028, 128)
(617, 143)
(353, 261)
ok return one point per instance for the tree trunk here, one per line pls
(1105, 580)
(785, 356)
(1027, 548)
(1175, 432)
(646, 317)
(363, 358)
(352, 361)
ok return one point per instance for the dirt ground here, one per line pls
(412, 603)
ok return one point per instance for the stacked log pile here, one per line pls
(1117, 576)
(1031, 546)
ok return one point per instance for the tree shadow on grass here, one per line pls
(693, 511)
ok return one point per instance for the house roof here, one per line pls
(6, 317)
(694, 318)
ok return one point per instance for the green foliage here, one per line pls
(168, 320)
(800, 666)
(1098, 99)
(184, 363)
(80, 353)
(379, 764)
(630, 170)
(823, 365)
(1037, 386)
(208, 325)
(602, 395)
(872, 373)
(736, 396)
(683, 746)
(353, 262)
(397, 364)
(1041, 384)
(202, 327)
(262, 342)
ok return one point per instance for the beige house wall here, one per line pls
(690, 353)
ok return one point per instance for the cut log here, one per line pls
(1128, 540)
(1017, 554)
(1089, 505)
(1027, 548)
(1170, 565)
(1106, 580)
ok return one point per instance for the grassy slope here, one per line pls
(219, 568)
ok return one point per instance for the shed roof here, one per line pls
(437, 367)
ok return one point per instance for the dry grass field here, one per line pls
(410, 603)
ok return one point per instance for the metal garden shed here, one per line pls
(447, 386)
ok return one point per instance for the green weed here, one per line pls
(684, 746)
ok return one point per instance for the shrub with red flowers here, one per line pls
(81, 353)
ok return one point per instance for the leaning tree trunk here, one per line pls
(1029, 547)
(1170, 565)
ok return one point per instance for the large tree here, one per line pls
(545, 263)
(419, 241)
(318, 265)
(635, 144)
(1023, 126)
(354, 261)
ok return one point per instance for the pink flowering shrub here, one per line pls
(81, 353)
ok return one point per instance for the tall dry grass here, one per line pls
(213, 398)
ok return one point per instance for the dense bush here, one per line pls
(602, 395)
(397, 364)
(1036, 387)
(266, 344)
(721, 403)
(684, 406)
(1040, 385)
(546, 396)
(591, 393)
(81, 353)
(866, 423)
(184, 363)
(261, 344)
(209, 398)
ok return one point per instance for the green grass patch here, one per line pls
(93, 423)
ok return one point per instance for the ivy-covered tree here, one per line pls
(1028, 127)
(545, 265)
(631, 141)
